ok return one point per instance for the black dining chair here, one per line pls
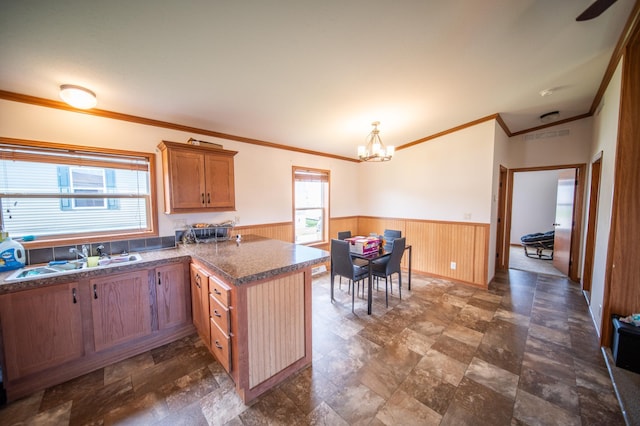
(389, 236)
(385, 267)
(360, 262)
(344, 234)
(343, 266)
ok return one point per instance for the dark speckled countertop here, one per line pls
(254, 258)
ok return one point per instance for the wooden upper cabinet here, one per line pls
(220, 188)
(197, 178)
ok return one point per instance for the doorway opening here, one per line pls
(562, 214)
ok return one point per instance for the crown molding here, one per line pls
(48, 103)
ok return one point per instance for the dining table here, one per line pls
(370, 257)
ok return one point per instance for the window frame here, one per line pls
(78, 187)
(86, 156)
(325, 208)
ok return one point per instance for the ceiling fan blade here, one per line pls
(595, 9)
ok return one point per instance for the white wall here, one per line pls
(534, 203)
(555, 151)
(262, 175)
(605, 131)
(448, 178)
(451, 178)
(552, 151)
(500, 158)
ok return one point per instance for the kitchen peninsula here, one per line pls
(255, 316)
(250, 302)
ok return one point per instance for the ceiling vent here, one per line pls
(547, 135)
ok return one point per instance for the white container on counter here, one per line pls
(11, 255)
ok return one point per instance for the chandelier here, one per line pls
(375, 149)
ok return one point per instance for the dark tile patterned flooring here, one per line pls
(525, 352)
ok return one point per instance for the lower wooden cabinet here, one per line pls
(54, 333)
(260, 332)
(221, 346)
(172, 295)
(212, 313)
(220, 315)
(41, 328)
(220, 296)
(120, 308)
(200, 302)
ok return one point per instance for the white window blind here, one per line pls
(57, 192)
(311, 199)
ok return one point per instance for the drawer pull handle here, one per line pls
(217, 345)
(216, 291)
(216, 313)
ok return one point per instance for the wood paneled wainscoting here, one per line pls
(282, 231)
(338, 224)
(435, 244)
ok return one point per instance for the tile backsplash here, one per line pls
(47, 254)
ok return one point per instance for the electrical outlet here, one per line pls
(467, 216)
(237, 219)
(453, 265)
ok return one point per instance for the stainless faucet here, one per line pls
(100, 250)
(83, 255)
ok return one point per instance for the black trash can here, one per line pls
(626, 345)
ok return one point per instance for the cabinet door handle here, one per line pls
(95, 291)
(75, 296)
(159, 279)
(217, 344)
(216, 313)
(198, 280)
(208, 198)
(202, 197)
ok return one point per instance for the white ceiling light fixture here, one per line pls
(375, 150)
(550, 116)
(78, 96)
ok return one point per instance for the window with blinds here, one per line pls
(62, 192)
(311, 201)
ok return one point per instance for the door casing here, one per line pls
(576, 229)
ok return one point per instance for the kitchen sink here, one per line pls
(119, 259)
(66, 268)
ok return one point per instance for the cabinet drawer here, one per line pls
(220, 346)
(219, 314)
(220, 291)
